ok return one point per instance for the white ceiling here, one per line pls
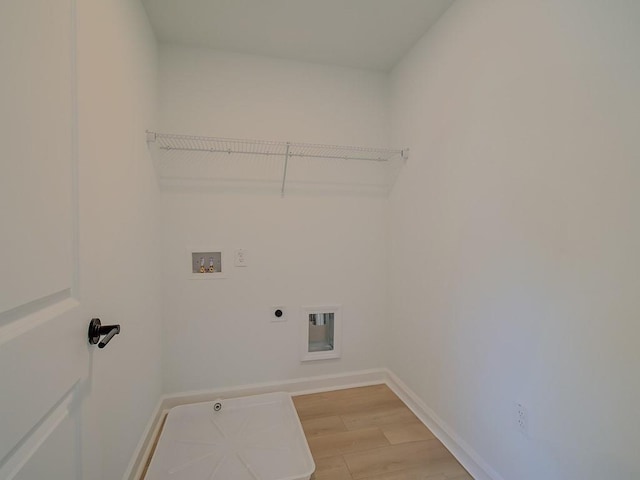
(371, 34)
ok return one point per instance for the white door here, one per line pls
(44, 355)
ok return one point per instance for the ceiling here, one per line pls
(370, 34)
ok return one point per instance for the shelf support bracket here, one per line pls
(284, 173)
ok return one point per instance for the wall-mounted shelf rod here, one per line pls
(238, 163)
(191, 143)
(267, 154)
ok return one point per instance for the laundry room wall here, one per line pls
(306, 248)
(514, 233)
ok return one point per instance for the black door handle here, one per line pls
(96, 330)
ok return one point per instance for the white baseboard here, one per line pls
(298, 386)
(467, 456)
(143, 449)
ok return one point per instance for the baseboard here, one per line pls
(298, 386)
(467, 456)
(143, 449)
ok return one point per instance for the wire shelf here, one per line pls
(198, 158)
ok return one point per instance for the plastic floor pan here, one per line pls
(248, 438)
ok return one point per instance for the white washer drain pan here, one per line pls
(249, 438)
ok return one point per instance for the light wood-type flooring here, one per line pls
(369, 433)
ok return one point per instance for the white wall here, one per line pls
(304, 249)
(515, 231)
(204, 92)
(118, 228)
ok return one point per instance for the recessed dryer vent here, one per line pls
(322, 333)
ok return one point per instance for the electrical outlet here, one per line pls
(240, 258)
(278, 314)
(521, 418)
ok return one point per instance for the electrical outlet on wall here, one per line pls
(240, 258)
(521, 418)
(278, 314)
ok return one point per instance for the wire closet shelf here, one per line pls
(282, 151)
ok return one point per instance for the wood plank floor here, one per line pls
(368, 433)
